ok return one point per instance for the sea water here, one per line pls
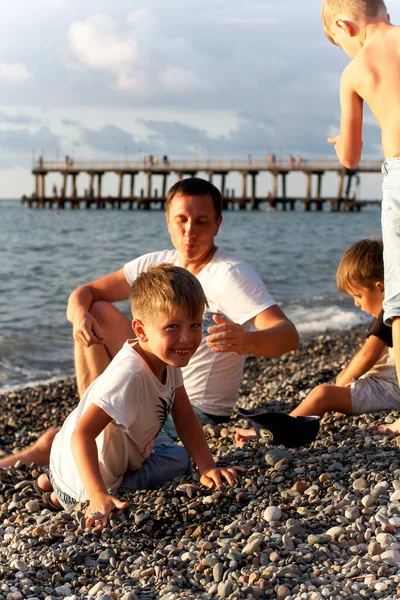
(45, 254)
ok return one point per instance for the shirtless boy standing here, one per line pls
(363, 30)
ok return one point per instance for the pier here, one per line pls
(70, 193)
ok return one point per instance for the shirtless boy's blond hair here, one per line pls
(360, 10)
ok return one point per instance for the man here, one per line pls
(236, 296)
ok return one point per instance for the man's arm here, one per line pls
(363, 361)
(348, 144)
(111, 288)
(84, 450)
(191, 433)
(275, 335)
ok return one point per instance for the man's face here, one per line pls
(192, 225)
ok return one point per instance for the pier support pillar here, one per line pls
(149, 182)
(37, 186)
(64, 185)
(120, 186)
(74, 192)
(210, 177)
(319, 186)
(308, 191)
(242, 204)
(43, 187)
(99, 178)
(132, 186)
(164, 186)
(274, 185)
(254, 203)
(91, 182)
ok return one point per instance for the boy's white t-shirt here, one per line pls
(234, 291)
(138, 403)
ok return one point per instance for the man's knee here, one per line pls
(101, 310)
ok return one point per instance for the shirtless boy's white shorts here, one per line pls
(391, 237)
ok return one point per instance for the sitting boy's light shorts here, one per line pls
(391, 237)
(369, 395)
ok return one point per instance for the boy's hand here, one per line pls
(213, 477)
(226, 336)
(242, 436)
(100, 507)
(333, 140)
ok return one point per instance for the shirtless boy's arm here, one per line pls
(363, 361)
(111, 288)
(348, 144)
(84, 450)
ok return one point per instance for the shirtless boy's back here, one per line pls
(363, 30)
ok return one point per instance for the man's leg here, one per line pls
(396, 344)
(325, 398)
(38, 452)
(91, 361)
(167, 461)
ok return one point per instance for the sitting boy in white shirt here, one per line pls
(113, 440)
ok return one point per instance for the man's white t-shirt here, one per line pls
(138, 403)
(235, 292)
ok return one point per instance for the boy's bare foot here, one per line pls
(43, 486)
(242, 436)
(393, 427)
(38, 452)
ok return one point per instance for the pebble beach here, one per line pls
(321, 521)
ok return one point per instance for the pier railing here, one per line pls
(191, 165)
(158, 174)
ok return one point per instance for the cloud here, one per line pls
(23, 141)
(69, 122)
(109, 139)
(15, 73)
(20, 119)
(141, 57)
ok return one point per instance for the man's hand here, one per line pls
(226, 337)
(213, 477)
(86, 331)
(100, 507)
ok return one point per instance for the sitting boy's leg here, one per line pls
(38, 453)
(167, 461)
(325, 398)
(396, 344)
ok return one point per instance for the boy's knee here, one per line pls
(321, 392)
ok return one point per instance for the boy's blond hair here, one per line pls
(361, 266)
(359, 10)
(164, 288)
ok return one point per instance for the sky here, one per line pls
(105, 80)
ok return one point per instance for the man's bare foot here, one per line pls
(38, 452)
(242, 436)
(393, 427)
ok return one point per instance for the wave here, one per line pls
(311, 321)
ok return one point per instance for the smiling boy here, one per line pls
(113, 440)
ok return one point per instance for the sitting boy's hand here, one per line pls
(213, 478)
(100, 507)
(243, 436)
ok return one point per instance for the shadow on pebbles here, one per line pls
(315, 522)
